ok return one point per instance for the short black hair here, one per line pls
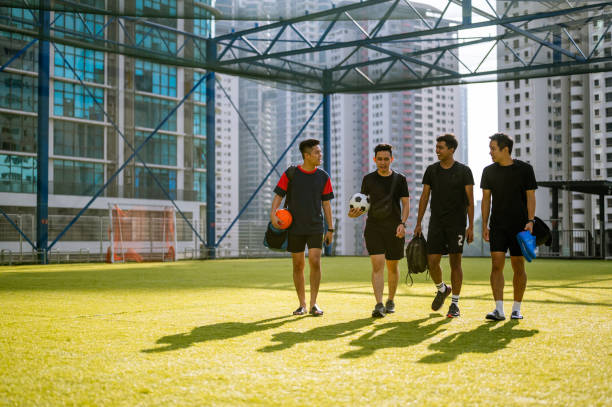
(449, 139)
(503, 140)
(307, 145)
(383, 147)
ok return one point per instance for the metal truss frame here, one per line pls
(276, 52)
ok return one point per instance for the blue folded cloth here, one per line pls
(527, 243)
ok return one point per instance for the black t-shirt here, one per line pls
(378, 188)
(449, 201)
(508, 185)
(307, 191)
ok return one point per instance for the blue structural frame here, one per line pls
(42, 156)
(243, 53)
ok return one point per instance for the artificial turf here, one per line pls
(220, 332)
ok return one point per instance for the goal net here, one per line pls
(141, 233)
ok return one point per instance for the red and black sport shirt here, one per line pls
(308, 190)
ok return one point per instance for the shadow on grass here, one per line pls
(400, 334)
(487, 338)
(322, 333)
(223, 330)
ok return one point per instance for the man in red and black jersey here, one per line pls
(309, 189)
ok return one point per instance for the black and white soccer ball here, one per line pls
(360, 201)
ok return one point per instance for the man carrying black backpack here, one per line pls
(451, 185)
(385, 229)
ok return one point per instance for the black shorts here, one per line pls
(297, 243)
(381, 239)
(500, 240)
(445, 240)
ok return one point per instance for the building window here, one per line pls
(75, 25)
(17, 174)
(73, 100)
(78, 139)
(199, 95)
(155, 78)
(148, 112)
(199, 186)
(157, 40)
(160, 149)
(18, 133)
(199, 153)
(76, 177)
(18, 92)
(145, 187)
(88, 64)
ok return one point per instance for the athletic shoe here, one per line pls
(389, 307)
(379, 311)
(516, 315)
(300, 311)
(440, 297)
(315, 311)
(495, 316)
(453, 311)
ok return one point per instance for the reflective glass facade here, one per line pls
(160, 149)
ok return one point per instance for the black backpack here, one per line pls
(416, 256)
(277, 239)
(542, 232)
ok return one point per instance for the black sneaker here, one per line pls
(440, 297)
(516, 315)
(379, 311)
(495, 316)
(389, 307)
(453, 311)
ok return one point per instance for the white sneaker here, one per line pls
(516, 315)
(495, 316)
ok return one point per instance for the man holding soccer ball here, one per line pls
(451, 186)
(309, 189)
(385, 229)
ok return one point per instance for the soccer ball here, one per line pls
(360, 201)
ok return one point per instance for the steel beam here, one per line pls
(42, 155)
(327, 146)
(211, 54)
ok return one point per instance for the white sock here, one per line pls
(516, 306)
(499, 306)
(455, 299)
(441, 287)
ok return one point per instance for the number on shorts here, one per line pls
(460, 242)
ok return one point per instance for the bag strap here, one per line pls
(290, 174)
(393, 184)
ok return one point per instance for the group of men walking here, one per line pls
(508, 207)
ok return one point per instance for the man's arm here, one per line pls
(531, 208)
(423, 201)
(275, 204)
(400, 231)
(469, 191)
(486, 208)
(329, 236)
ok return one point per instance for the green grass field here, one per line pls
(220, 333)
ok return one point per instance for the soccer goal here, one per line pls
(141, 233)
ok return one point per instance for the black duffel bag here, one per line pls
(416, 256)
(276, 239)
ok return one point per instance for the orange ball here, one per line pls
(284, 218)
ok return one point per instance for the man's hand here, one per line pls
(400, 231)
(485, 233)
(529, 227)
(329, 237)
(417, 230)
(355, 213)
(469, 234)
(275, 221)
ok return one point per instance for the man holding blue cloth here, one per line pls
(511, 185)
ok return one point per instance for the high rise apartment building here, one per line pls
(561, 125)
(107, 90)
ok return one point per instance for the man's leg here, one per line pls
(456, 272)
(314, 261)
(378, 276)
(435, 271)
(443, 291)
(298, 277)
(392, 277)
(519, 283)
(498, 260)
